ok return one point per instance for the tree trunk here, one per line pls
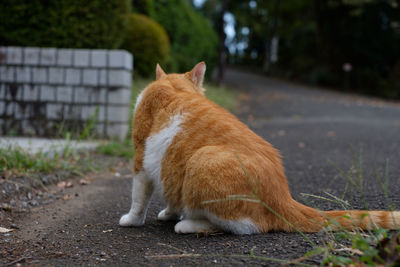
(266, 68)
(222, 38)
(320, 24)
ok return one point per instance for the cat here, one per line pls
(214, 173)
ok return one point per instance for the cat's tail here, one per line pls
(307, 219)
(364, 219)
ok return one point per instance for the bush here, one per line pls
(63, 23)
(145, 7)
(148, 42)
(192, 38)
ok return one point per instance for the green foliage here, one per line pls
(221, 96)
(120, 149)
(148, 42)
(17, 161)
(192, 37)
(63, 23)
(145, 7)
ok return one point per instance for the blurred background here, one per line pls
(350, 45)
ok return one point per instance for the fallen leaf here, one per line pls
(331, 134)
(7, 174)
(67, 197)
(281, 133)
(107, 231)
(64, 184)
(61, 184)
(117, 174)
(6, 207)
(84, 181)
(5, 230)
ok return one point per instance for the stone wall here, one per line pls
(46, 91)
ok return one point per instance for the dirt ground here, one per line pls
(314, 129)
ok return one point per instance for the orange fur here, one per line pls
(216, 156)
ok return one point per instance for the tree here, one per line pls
(191, 35)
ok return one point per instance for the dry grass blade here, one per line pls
(173, 256)
(170, 246)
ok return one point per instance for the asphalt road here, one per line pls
(316, 131)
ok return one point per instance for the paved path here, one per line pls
(310, 127)
(317, 129)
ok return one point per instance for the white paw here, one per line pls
(166, 215)
(194, 226)
(131, 220)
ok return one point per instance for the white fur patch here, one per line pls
(194, 226)
(138, 100)
(168, 214)
(155, 148)
(241, 227)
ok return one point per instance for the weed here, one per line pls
(115, 148)
(221, 96)
(87, 131)
(357, 247)
(16, 161)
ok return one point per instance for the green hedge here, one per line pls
(148, 42)
(63, 23)
(191, 35)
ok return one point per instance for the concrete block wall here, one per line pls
(47, 90)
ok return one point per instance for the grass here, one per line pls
(16, 161)
(120, 149)
(220, 95)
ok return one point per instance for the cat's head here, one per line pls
(189, 81)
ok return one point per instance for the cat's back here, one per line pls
(214, 125)
(196, 120)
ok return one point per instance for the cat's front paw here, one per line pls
(131, 220)
(167, 215)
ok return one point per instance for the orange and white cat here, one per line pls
(200, 157)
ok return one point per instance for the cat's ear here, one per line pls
(196, 75)
(159, 72)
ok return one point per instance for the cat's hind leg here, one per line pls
(168, 214)
(195, 222)
(142, 189)
(190, 226)
(213, 175)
